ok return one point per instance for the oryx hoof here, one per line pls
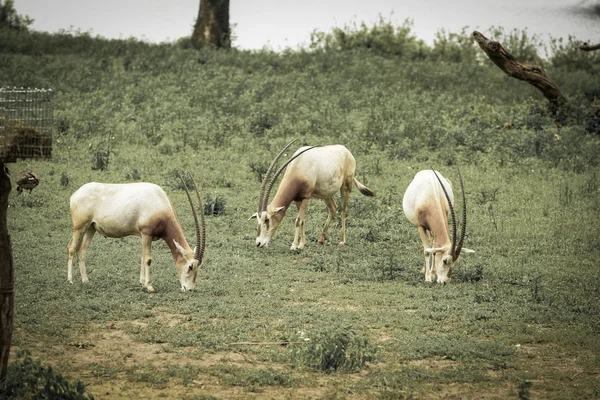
(150, 289)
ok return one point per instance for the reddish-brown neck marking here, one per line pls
(167, 227)
(435, 221)
(290, 190)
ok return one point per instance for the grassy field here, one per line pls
(519, 320)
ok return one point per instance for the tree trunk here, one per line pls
(212, 25)
(6, 275)
(522, 70)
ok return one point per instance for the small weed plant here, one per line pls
(333, 350)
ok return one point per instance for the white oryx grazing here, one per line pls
(142, 209)
(427, 203)
(313, 171)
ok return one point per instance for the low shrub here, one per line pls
(29, 379)
(335, 350)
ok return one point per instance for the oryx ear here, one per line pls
(279, 209)
(465, 250)
(431, 250)
(255, 215)
(179, 247)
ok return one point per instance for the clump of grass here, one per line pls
(173, 180)
(64, 180)
(262, 122)
(31, 202)
(333, 350)
(134, 175)
(469, 273)
(27, 378)
(524, 390)
(100, 160)
(101, 154)
(214, 205)
(259, 168)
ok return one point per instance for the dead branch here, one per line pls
(589, 47)
(523, 70)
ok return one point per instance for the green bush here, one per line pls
(29, 379)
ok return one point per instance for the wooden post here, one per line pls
(6, 275)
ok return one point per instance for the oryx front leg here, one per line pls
(146, 261)
(429, 261)
(331, 213)
(300, 236)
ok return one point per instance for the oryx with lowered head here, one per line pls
(142, 209)
(427, 203)
(312, 172)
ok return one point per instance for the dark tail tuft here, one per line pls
(363, 189)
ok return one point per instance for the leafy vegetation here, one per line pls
(332, 351)
(27, 378)
(519, 320)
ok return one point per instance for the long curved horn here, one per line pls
(200, 239)
(451, 213)
(285, 164)
(463, 228)
(199, 244)
(262, 204)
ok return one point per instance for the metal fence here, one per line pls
(26, 122)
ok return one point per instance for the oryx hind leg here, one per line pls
(73, 248)
(331, 213)
(345, 194)
(85, 244)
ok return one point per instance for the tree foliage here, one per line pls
(10, 19)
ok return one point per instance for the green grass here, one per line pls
(522, 308)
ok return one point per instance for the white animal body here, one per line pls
(312, 172)
(427, 204)
(142, 209)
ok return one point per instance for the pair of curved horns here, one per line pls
(270, 177)
(456, 247)
(200, 228)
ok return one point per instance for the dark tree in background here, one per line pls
(212, 25)
(10, 19)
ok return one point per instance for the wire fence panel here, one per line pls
(26, 123)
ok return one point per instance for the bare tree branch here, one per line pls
(589, 47)
(523, 70)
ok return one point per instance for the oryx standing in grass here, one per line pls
(313, 171)
(141, 209)
(427, 203)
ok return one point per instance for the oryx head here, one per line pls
(445, 257)
(268, 217)
(187, 268)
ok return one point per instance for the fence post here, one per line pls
(26, 120)
(6, 275)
